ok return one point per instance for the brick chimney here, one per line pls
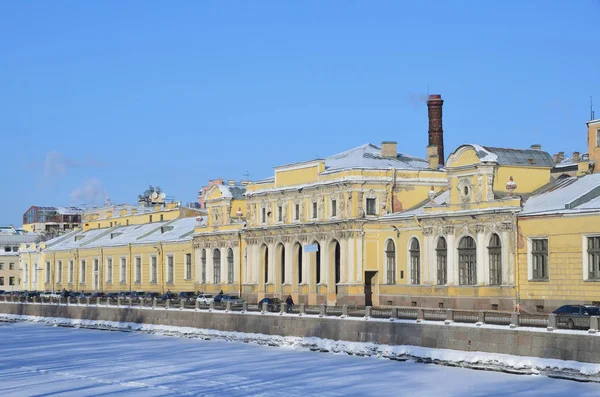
(436, 133)
(575, 157)
(389, 149)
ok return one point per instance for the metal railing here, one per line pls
(447, 316)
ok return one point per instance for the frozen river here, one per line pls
(44, 360)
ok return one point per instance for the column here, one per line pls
(359, 273)
(344, 265)
(197, 264)
(507, 259)
(351, 258)
(306, 267)
(272, 267)
(452, 265)
(224, 265)
(289, 263)
(325, 254)
(481, 249)
(209, 266)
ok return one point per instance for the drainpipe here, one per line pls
(100, 272)
(516, 260)
(392, 192)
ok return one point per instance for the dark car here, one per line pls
(112, 296)
(576, 316)
(188, 296)
(31, 294)
(169, 295)
(273, 304)
(98, 295)
(152, 295)
(234, 300)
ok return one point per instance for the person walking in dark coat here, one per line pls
(290, 303)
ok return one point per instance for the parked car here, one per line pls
(152, 295)
(576, 316)
(205, 299)
(168, 295)
(46, 294)
(32, 294)
(98, 295)
(112, 296)
(234, 300)
(273, 304)
(188, 296)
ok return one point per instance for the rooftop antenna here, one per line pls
(246, 176)
(591, 108)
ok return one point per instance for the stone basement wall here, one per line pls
(562, 345)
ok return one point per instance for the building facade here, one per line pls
(486, 228)
(10, 241)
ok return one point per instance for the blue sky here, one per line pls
(108, 97)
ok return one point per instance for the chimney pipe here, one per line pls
(436, 133)
(389, 149)
(536, 146)
(575, 157)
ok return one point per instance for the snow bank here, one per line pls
(469, 359)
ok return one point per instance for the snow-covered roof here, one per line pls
(368, 156)
(508, 156)
(234, 192)
(176, 230)
(566, 195)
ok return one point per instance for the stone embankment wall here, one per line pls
(565, 345)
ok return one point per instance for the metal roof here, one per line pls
(521, 157)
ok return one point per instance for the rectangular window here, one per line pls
(71, 271)
(153, 269)
(203, 264)
(371, 206)
(539, 259)
(161, 217)
(314, 210)
(138, 270)
(279, 213)
(188, 266)
(170, 269)
(35, 273)
(297, 212)
(59, 272)
(11, 266)
(1, 280)
(109, 270)
(123, 278)
(150, 218)
(47, 273)
(598, 137)
(82, 271)
(333, 208)
(264, 215)
(1, 266)
(11, 281)
(593, 251)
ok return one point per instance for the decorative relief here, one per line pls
(361, 211)
(490, 187)
(384, 203)
(507, 227)
(479, 228)
(428, 231)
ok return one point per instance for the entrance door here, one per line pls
(369, 277)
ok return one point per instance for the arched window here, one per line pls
(442, 261)
(495, 256)
(415, 262)
(217, 266)
(318, 263)
(390, 260)
(230, 266)
(467, 261)
(203, 261)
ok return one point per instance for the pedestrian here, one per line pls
(290, 303)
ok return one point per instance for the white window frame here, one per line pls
(367, 206)
(530, 258)
(170, 276)
(47, 272)
(584, 256)
(82, 266)
(71, 271)
(188, 266)
(153, 274)
(109, 270)
(137, 271)
(59, 272)
(333, 208)
(123, 270)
